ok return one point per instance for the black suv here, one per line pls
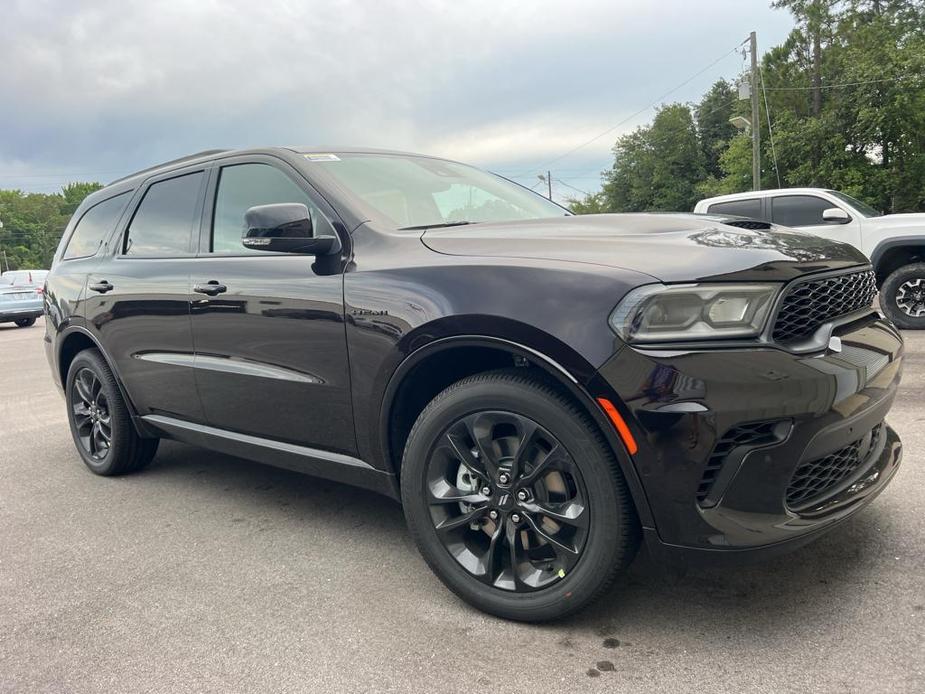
(541, 391)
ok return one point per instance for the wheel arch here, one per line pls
(891, 255)
(76, 339)
(471, 354)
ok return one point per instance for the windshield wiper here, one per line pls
(436, 226)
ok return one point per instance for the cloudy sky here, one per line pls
(92, 90)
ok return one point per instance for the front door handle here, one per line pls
(102, 286)
(212, 288)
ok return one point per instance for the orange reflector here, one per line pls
(619, 425)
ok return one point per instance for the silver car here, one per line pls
(20, 304)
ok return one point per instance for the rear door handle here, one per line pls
(212, 288)
(102, 286)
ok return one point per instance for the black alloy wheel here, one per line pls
(507, 501)
(902, 297)
(515, 499)
(100, 420)
(90, 409)
(25, 322)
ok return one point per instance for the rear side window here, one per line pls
(243, 186)
(799, 210)
(741, 208)
(94, 226)
(163, 223)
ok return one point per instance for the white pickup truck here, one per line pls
(895, 243)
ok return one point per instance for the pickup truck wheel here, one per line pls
(902, 297)
(25, 322)
(514, 499)
(100, 421)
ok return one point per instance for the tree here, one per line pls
(33, 223)
(656, 167)
(713, 127)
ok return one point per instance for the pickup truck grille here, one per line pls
(807, 305)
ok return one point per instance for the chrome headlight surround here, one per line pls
(656, 313)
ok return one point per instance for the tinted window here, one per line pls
(95, 225)
(798, 210)
(741, 208)
(246, 185)
(163, 223)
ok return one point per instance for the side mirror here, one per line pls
(285, 228)
(835, 215)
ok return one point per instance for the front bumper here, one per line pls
(710, 497)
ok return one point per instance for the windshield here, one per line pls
(417, 192)
(863, 208)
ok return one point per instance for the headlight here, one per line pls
(669, 313)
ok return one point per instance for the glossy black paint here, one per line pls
(297, 361)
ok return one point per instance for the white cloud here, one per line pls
(105, 85)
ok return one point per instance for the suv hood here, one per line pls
(913, 220)
(669, 247)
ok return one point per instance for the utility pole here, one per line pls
(549, 184)
(756, 123)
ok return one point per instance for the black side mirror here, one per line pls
(285, 228)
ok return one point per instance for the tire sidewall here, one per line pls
(602, 547)
(888, 293)
(91, 360)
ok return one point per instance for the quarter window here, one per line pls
(94, 226)
(163, 223)
(740, 208)
(243, 186)
(799, 210)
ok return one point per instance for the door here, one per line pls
(804, 212)
(138, 297)
(268, 328)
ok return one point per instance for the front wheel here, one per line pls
(25, 322)
(514, 499)
(902, 297)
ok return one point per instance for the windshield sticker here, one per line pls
(322, 157)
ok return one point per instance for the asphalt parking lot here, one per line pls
(208, 573)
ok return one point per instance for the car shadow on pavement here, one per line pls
(763, 598)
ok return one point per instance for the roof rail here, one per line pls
(189, 157)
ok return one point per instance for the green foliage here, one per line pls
(33, 223)
(656, 167)
(846, 99)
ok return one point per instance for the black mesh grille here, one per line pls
(814, 479)
(810, 304)
(753, 434)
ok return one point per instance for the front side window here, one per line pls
(94, 226)
(409, 192)
(163, 223)
(243, 186)
(799, 210)
(739, 208)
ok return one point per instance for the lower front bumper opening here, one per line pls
(792, 529)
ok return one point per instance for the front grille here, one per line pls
(813, 480)
(807, 305)
(750, 435)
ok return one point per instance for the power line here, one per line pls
(842, 84)
(767, 113)
(642, 110)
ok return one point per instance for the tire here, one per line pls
(902, 296)
(587, 476)
(25, 322)
(95, 407)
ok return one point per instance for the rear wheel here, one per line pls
(514, 499)
(902, 297)
(25, 322)
(100, 421)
